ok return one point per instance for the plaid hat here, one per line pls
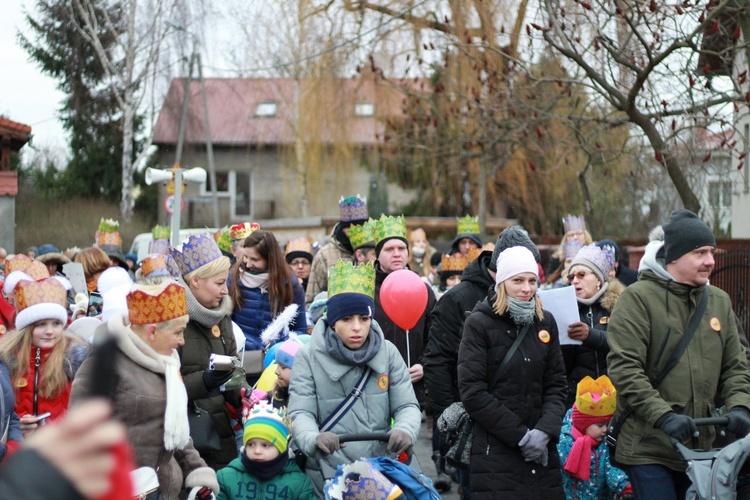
(266, 422)
(286, 352)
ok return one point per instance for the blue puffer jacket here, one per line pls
(255, 315)
(9, 418)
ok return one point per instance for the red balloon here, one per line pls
(403, 296)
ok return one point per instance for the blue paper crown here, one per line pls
(158, 246)
(573, 223)
(353, 208)
(603, 258)
(195, 253)
(571, 248)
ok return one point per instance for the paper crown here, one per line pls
(353, 208)
(242, 231)
(361, 480)
(195, 253)
(454, 263)
(389, 227)
(361, 234)
(269, 423)
(299, 247)
(571, 249)
(145, 308)
(603, 258)
(345, 277)
(160, 232)
(159, 264)
(38, 300)
(468, 225)
(223, 240)
(573, 223)
(158, 246)
(21, 262)
(474, 253)
(108, 233)
(597, 398)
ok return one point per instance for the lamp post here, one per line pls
(196, 175)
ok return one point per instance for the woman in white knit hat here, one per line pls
(517, 410)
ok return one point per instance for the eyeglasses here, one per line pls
(580, 275)
(299, 262)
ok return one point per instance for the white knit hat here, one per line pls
(514, 261)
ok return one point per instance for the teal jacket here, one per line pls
(237, 484)
(645, 326)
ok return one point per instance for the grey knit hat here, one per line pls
(512, 236)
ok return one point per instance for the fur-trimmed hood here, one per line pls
(613, 292)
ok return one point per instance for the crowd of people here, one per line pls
(182, 345)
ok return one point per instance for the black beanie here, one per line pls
(683, 233)
(512, 236)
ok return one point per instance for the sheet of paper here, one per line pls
(74, 272)
(562, 303)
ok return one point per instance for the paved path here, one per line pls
(423, 451)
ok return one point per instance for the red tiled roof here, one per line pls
(17, 131)
(232, 103)
(8, 183)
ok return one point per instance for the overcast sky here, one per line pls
(26, 95)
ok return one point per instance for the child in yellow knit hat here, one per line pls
(584, 457)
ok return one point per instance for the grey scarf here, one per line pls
(203, 315)
(338, 351)
(522, 311)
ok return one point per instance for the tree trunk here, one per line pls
(126, 204)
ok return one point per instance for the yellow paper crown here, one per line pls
(47, 291)
(597, 398)
(389, 227)
(21, 262)
(345, 277)
(160, 232)
(456, 262)
(242, 231)
(474, 253)
(145, 309)
(468, 225)
(361, 234)
(223, 240)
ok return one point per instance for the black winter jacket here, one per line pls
(531, 394)
(446, 325)
(397, 336)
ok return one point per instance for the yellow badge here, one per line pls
(383, 382)
(216, 331)
(2, 330)
(604, 320)
(544, 336)
(21, 382)
(715, 324)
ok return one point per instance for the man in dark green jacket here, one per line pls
(644, 329)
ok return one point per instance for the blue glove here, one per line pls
(533, 445)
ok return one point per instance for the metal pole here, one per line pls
(184, 112)
(209, 144)
(175, 239)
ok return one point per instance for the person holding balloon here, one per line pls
(511, 379)
(403, 302)
(347, 350)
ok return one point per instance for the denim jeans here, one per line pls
(463, 482)
(657, 481)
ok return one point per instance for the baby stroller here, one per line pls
(405, 474)
(720, 472)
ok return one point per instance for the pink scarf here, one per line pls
(578, 463)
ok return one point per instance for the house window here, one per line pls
(265, 110)
(720, 194)
(364, 109)
(222, 185)
(241, 200)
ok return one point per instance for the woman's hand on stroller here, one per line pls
(738, 421)
(328, 442)
(398, 441)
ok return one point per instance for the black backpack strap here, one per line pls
(504, 363)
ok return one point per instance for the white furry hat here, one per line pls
(112, 277)
(12, 280)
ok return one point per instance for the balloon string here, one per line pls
(408, 351)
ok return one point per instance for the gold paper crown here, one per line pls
(160, 232)
(474, 253)
(242, 231)
(468, 225)
(597, 398)
(223, 240)
(145, 309)
(345, 277)
(389, 227)
(108, 233)
(360, 234)
(298, 245)
(20, 262)
(456, 262)
(47, 291)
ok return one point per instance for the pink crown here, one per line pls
(195, 253)
(603, 258)
(574, 223)
(571, 248)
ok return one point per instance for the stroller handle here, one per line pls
(365, 436)
(711, 421)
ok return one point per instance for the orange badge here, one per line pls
(383, 382)
(544, 336)
(21, 382)
(2, 330)
(715, 324)
(216, 331)
(604, 320)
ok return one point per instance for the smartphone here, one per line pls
(95, 304)
(41, 419)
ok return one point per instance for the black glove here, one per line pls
(214, 379)
(399, 441)
(328, 442)
(739, 422)
(680, 427)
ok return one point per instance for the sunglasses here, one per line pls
(580, 275)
